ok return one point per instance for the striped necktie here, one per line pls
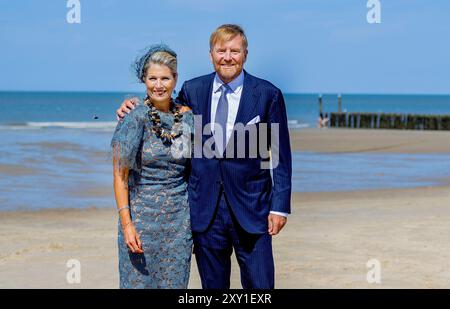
(221, 118)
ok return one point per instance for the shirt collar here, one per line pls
(235, 85)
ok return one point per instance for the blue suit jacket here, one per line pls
(248, 188)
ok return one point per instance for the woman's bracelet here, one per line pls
(122, 208)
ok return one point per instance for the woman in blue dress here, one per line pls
(151, 153)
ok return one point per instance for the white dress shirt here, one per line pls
(233, 97)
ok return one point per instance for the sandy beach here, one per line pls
(329, 237)
(375, 141)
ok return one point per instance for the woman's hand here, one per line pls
(132, 238)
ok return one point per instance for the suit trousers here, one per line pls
(213, 249)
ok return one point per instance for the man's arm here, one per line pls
(281, 148)
(282, 172)
(183, 98)
(129, 104)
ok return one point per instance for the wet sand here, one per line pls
(327, 242)
(329, 238)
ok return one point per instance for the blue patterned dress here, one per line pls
(158, 201)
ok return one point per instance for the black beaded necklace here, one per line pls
(165, 135)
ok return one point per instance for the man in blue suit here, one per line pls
(234, 201)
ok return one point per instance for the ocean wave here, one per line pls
(102, 125)
(294, 124)
(98, 125)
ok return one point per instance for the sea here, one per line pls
(84, 110)
(54, 148)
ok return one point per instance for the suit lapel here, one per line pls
(204, 98)
(204, 102)
(249, 100)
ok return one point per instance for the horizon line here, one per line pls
(323, 93)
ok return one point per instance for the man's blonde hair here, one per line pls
(225, 33)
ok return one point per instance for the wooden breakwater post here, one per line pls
(339, 103)
(320, 104)
(389, 121)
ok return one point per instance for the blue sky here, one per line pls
(312, 46)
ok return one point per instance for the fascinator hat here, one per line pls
(140, 65)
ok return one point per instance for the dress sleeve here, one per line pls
(127, 138)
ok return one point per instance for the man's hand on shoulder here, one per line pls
(126, 107)
(183, 109)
